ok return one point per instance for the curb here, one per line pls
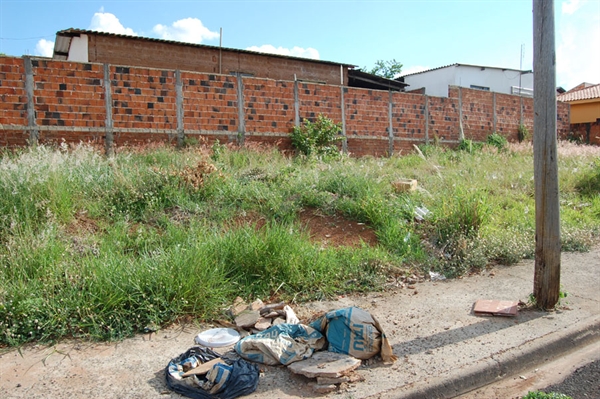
(503, 364)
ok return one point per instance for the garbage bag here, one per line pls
(355, 332)
(235, 377)
(281, 344)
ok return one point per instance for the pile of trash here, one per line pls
(327, 350)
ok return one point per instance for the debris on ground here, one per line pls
(329, 369)
(404, 185)
(281, 344)
(355, 332)
(494, 307)
(327, 350)
(202, 373)
(257, 316)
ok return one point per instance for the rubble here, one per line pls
(258, 316)
(325, 365)
(330, 370)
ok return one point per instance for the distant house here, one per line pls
(585, 111)
(585, 102)
(435, 81)
(101, 47)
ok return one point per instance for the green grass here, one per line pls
(544, 395)
(102, 248)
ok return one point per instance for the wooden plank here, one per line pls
(203, 368)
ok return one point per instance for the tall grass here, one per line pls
(104, 248)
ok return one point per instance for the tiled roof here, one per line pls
(587, 93)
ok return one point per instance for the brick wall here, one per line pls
(268, 106)
(69, 101)
(588, 133)
(367, 121)
(119, 50)
(210, 106)
(408, 120)
(444, 118)
(13, 102)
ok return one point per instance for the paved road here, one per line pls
(576, 374)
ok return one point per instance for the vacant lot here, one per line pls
(103, 248)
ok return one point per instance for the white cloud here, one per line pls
(189, 30)
(570, 6)
(45, 48)
(414, 69)
(107, 22)
(293, 52)
(577, 41)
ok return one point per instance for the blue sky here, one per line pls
(420, 34)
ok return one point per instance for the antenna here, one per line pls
(220, 49)
(521, 70)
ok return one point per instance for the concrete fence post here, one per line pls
(109, 137)
(426, 97)
(390, 126)
(495, 117)
(461, 132)
(296, 105)
(343, 109)
(34, 134)
(179, 109)
(241, 115)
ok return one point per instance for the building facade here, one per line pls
(435, 82)
(100, 47)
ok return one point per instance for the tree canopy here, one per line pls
(387, 69)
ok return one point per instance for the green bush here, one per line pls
(317, 138)
(497, 140)
(523, 134)
(469, 146)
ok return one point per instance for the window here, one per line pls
(480, 88)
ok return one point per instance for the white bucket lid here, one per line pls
(218, 337)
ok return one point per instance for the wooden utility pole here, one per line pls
(546, 285)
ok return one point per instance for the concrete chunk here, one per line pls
(239, 305)
(256, 305)
(247, 318)
(262, 323)
(325, 364)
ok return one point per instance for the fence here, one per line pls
(46, 100)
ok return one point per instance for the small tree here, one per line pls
(317, 138)
(386, 69)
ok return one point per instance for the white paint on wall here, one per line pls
(499, 80)
(78, 50)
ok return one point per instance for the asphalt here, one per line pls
(443, 348)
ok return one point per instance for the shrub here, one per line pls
(317, 138)
(523, 134)
(462, 215)
(469, 146)
(497, 140)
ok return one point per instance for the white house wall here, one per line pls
(436, 82)
(78, 51)
(497, 80)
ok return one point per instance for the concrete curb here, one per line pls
(503, 364)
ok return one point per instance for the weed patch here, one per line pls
(104, 248)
